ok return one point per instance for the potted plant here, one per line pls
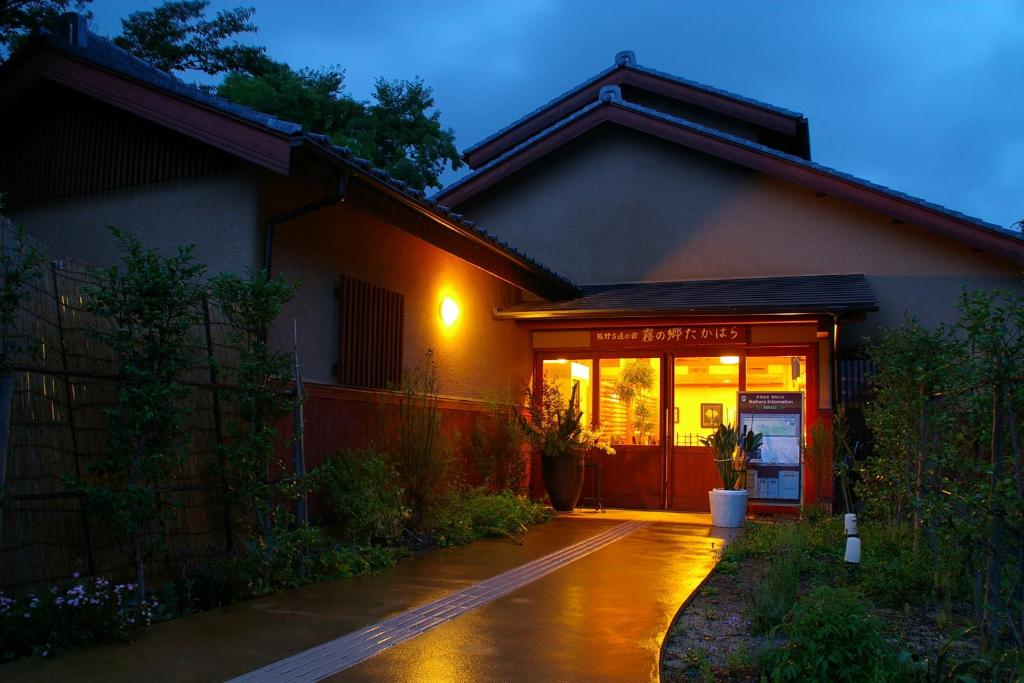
(635, 380)
(557, 432)
(729, 450)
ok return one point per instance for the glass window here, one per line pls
(704, 396)
(565, 374)
(776, 373)
(630, 400)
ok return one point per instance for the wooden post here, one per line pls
(69, 398)
(217, 424)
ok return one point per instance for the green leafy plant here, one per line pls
(420, 454)
(73, 613)
(833, 636)
(498, 445)
(259, 397)
(145, 310)
(723, 443)
(365, 496)
(631, 386)
(554, 427)
(465, 516)
(20, 266)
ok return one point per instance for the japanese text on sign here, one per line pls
(693, 334)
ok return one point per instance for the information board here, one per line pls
(774, 471)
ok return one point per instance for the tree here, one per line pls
(19, 18)
(177, 36)
(403, 138)
(397, 130)
(146, 308)
(313, 97)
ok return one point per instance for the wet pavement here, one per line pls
(602, 617)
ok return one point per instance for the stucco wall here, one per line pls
(219, 214)
(477, 355)
(619, 206)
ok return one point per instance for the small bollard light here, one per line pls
(850, 520)
(852, 550)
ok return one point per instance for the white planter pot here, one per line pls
(728, 508)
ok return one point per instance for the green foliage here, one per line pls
(20, 266)
(74, 613)
(466, 516)
(19, 19)
(833, 637)
(498, 445)
(286, 559)
(147, 308)
(250, 304)
(723, 443)
(775, 591)
(420, 454)
(313, 97)
(891, 573)
(946, 421)
(177, 36)
(365, 496)
(554, 427)
(398, 130)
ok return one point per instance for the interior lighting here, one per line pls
(579, 371)
(449, 311)
(729, 360)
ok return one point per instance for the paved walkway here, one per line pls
(600, 615)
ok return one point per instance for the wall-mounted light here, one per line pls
(449, 311)
(729, 360)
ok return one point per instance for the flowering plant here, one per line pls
(78, 612)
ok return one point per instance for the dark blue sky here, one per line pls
(925, 97)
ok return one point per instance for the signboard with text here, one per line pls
(678, 335)
(773, 472)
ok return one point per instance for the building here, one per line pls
(718, 262)
(713, 251)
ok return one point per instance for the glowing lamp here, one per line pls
(729, 360)
(449, 311)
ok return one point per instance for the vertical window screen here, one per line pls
(370, 344)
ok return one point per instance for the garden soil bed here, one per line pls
(712, 633)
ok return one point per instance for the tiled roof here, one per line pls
(641, 69)
(736, 140)
(103, 53)
(796, 294)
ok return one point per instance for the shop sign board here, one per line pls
(774, 472)
(677, 335)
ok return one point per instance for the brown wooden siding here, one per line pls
(66, 144)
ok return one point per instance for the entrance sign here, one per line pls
(680, 335)
(774, 470)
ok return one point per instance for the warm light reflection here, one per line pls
(449, 311)
(729, 360)
(579, 371)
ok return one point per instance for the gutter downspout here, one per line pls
(291, 214)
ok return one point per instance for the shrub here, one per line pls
(775, 593)
(418, 450)
(833, 636)
(364, 495)
(287, 559)
(79, 612)
(498, 444)
(466, 516)
(891, 572)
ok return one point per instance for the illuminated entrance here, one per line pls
(655, 391)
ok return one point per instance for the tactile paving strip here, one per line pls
(341, 653)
